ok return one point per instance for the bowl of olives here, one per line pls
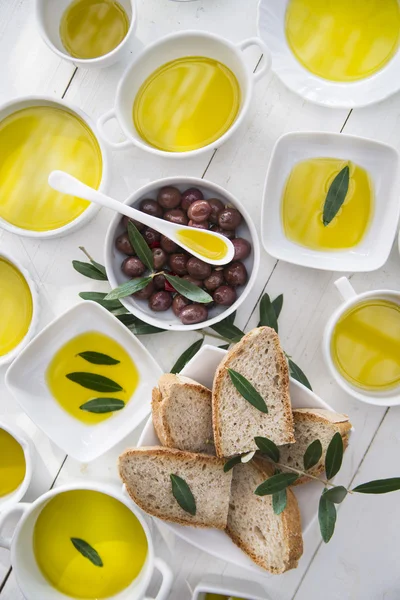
(199, 204)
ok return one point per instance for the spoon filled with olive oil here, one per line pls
(206, 245)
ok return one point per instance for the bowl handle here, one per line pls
(108, 116)
(167, 579)
(267, 61)
(345, 289)
(21, 508)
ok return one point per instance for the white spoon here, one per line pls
(67, 184)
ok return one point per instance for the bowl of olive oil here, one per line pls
(16, 464)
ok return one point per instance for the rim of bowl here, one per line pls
(191, 182)
(27, 446)
(92, 209)
(33, 326)
(84, 62)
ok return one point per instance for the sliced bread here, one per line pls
(260, 359)
(311, 424)
(182, 414)
(146, 473)
(273, 541)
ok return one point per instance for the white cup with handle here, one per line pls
(33, 584)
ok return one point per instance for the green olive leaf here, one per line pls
(247, 391)
(183, 494)
(276, 483)
(98, 358)
(267, 314)
(326, 517)
(379, 486)
(268, 447)
(336, 494)
(140, 246)
(188, 289)
(88, 270)
(334, 456)
(297, 374)
(137, 326)
(128, 288)
(277, 305)
(103, 405)
(228, 330)
(235, 460)
(99, 298)
(312, 455)
(279, 501)
(336, 195)
(186, 356)
(93, 381)
(87, 551)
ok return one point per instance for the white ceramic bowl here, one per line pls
(27, 101)
(7, 358)
(48, 18)
(383, 165)
(113, 258)
(171, 47)
(271, 29)
(229, 586)
(26, 380)
(27, 447)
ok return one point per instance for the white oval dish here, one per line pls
(27, 446)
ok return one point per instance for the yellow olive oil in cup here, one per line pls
(88, 544)
(93, 28)
(12, 463)
(92, 377)
(16, 306)
(186, 104)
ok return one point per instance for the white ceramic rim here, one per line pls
(86, 62)
(236, 49)
(317, 90)
(386, 398)
(26, 444)
(7, 358)
(92, 209)
(191, 182)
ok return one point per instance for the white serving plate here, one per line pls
(202, 369)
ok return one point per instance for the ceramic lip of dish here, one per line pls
(29, 101)
(167, 49)
(351, 298)
(27, 446)
(229, 587)
(48, 17)
(33, 326)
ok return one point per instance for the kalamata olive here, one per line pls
(242, 248)
(216, 207)
(160, 301)
(199, 211)
(123, 244)
(169, 197)
(193, 313)
(177, 263)
(229, 219)
(146, 292)
(139, 226)
(151, 235)
(225, 295)
(176, 215)
(198, 268)
(190, 196)
(191, 279)
(235, 274)
(230, 234)
(151, 207)
(168, 245)
(202, 225)
(159, 258)
(178, 303)
(159, 282)
(214, 280)
(133, 267)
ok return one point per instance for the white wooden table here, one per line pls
(362, 560)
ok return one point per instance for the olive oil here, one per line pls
(343, 40)
(33, 142)
(186, 104)
(16, 307)
(206, 245)
(93, 28)
(71, 395)
(12, 463)
(303, 203)
(365, 345)
(104, 523)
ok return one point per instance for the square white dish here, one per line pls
(202, 369)
(26, 380)
(382, 163)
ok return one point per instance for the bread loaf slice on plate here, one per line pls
(272, 541)
(146, 473)
(313, 424)
(182, 414)
(260, 359)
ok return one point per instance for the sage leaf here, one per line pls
(87, 551)
(326, 517)
(279, 501)
(312, 455)
(334, 456)
(99, 298)
(276, 483)
(188, 289)
(88, 270)
(336, 195)
(186, 356)
(235, 460)
(128, 288)
(267, 314)
(336, 494)
(298, 374)
(140, 246)
(268, 447)
(183, 494)
(137, 326)
(277, 305)
(247, 390)
(98, 358)
(103, 405)
(93, 381)
(228, 330)
(379, 486)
